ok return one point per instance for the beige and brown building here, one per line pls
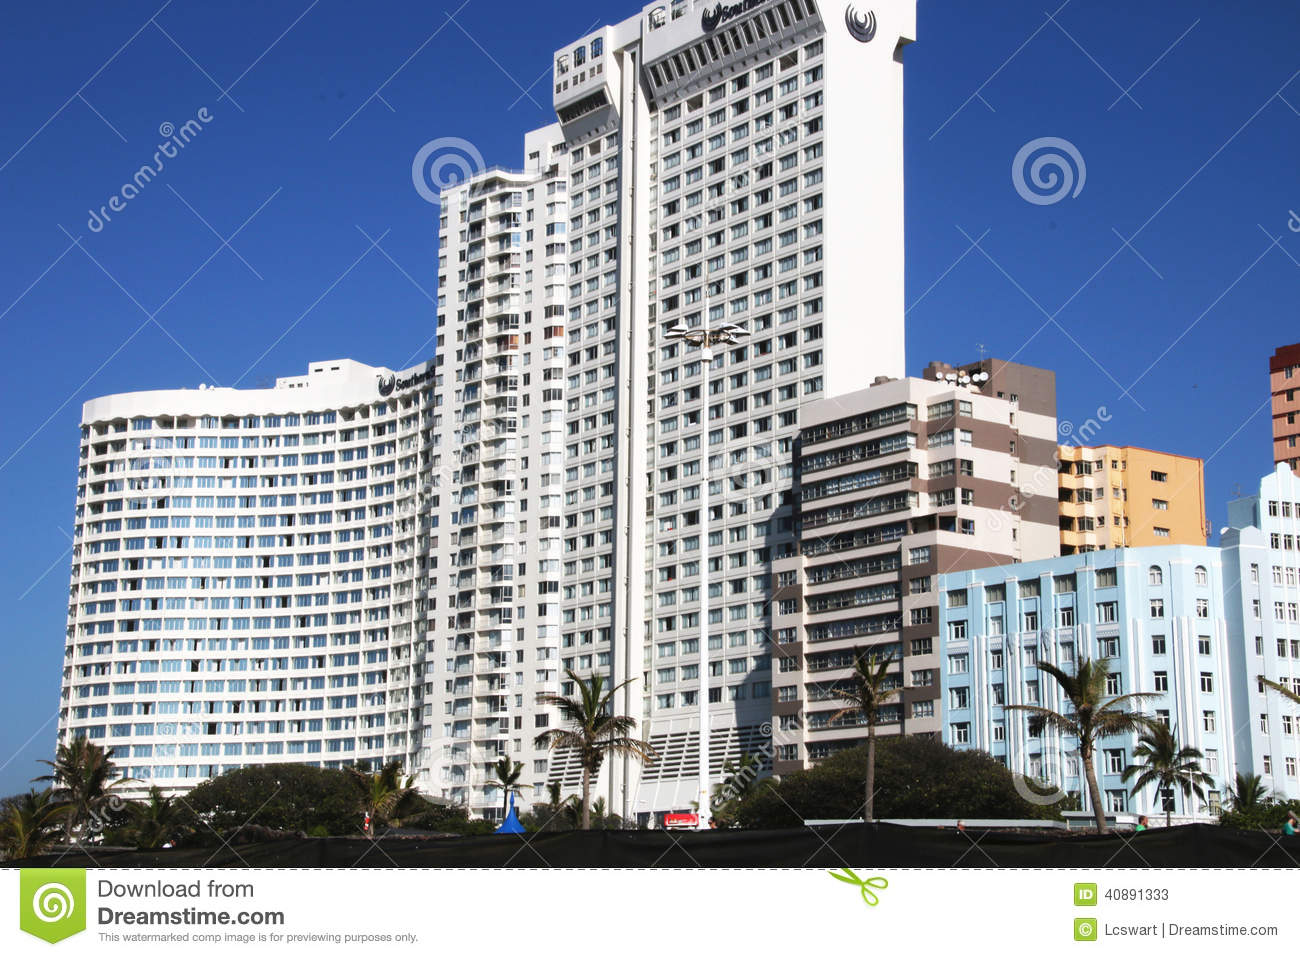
(1284, 383)
(1126, 497)
(897, 484)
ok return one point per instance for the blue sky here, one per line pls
(1186, 116)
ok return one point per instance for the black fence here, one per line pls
(855, 845)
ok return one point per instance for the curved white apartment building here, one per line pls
(248, 574)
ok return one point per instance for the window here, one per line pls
(1202, 576)
(1207, 682)
(1162, 681)
(957, 631)
(1202, 608)
(958, 664)
(1107, 612)
(1208, 721)
(958, 698)
(1155, 576)
(1106, 578)
(1115, 802)
(1203, 644)
(959, 732)
(1115, 761)
(1114, 684)
(1109, 647)
(1159, 476)
(1157, 608)
(1158, 645)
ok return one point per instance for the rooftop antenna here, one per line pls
(980, 347)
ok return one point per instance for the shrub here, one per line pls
(915, 778)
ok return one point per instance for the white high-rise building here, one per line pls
(528, 503)
(497, 456)
(248, 575)
(737, 163)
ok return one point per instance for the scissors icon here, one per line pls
(868, 895)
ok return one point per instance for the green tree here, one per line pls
(593, 730)
(1092, 716)
(157, 821)
(378, 793)
(30, 823)
(286, 797)
(870, 688)
(555, 814)
(917, 778)
(1268, 815)
(1159, 760)
(508, 772)
(1247, 792)
(83, 777)
(740, 779)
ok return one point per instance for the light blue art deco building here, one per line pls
(1261, 552)
(1197, 627)
(1155, 615)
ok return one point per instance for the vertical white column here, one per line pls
(704, 812)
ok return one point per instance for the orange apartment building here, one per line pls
(1125, 497)
(1284, 383)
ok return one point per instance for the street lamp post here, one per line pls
(706, 338)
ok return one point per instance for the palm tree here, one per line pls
(870, 689)
(30, 823)
(379, 793)
(1284, 690)
(592, 730)
(157, 821)
(1167, 766)
(1092, 716)
(83, 777)
(508, 772)
(1247, 792)
(740, 778)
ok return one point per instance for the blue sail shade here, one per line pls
(511, 824)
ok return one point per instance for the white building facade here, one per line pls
(248, 575)
(1261, 560)
(497, 456)
(728, 163)
(538, 508)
